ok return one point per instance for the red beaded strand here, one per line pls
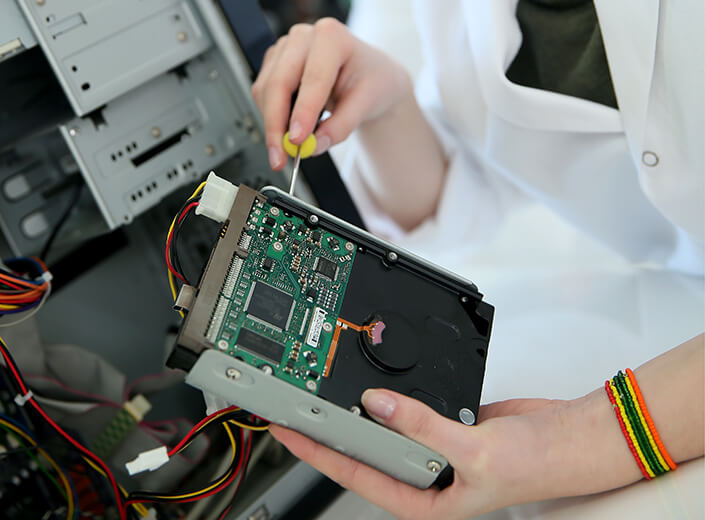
(624, 431)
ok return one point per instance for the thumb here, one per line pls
(414, 420)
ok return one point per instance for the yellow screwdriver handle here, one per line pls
(307, 147)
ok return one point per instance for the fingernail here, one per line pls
(273, 157)
(322, 144)
(295, 130)
(378, 403)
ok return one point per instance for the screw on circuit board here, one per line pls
(277, 246)
(433, 466)
(349, 246)
(313, 219)
(222, 344)
(327, 326)
(466, 416)
(274, 212)
(311, 386)
(355, 410)
(266, 369)
(233, 373)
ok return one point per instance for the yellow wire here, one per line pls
(142, 510)
(215, 484)
(62, 476)
(172, 284)
(247, 427)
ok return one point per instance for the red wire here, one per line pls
(13, 300)
(239, 483)
(222, 486)
(186, 210)
(227, 510)
(4, 281)
(20, 281)
(71, 440)
(168, 261)
(171, 235)
(198, 425)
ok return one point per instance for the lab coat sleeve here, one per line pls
(473, 200)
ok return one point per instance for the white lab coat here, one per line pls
(632, 178)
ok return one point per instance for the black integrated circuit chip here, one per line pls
(260, 346)
(270, 305)
(326, 268)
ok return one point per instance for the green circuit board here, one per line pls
(278, 307)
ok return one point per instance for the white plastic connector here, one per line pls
(21, 400)
(148, 461)
(138, 407)
(217, 198)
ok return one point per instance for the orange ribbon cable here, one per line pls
(341, 325)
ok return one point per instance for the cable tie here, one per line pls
(21, 400)
(47, 276)
(149, 460)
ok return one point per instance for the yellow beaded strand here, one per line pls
(628, 425)
(654, 447)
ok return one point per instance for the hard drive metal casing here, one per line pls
(445, 312)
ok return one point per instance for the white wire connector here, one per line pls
(148, 461)
(217, 198)
(21, 400)
(138, 407)
(47, 276)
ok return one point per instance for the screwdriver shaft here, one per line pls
(295, 171)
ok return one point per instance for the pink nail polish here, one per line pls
(273, 157)
(378, 403)
(295, 130)
(322, 144)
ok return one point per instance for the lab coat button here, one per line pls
(649, 158)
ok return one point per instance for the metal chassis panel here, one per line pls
(101, 49)
(348, 433)
(206, 104)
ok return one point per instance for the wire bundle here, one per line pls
(234, 420)
(25, 284)
(173, 263)
(29, 444)
(637, 426)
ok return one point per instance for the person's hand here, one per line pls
(521, 450)
(489, 459)
(332, 69)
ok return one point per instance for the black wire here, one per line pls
(176, 261)
(155, 496)
(60, 223)
(173, 253)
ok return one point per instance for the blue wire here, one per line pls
(66, 473)
(36, 264)
(22, 309)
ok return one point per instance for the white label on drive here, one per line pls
(314, 330)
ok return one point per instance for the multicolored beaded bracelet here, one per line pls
(637, 426)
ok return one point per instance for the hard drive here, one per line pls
(297, 313)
